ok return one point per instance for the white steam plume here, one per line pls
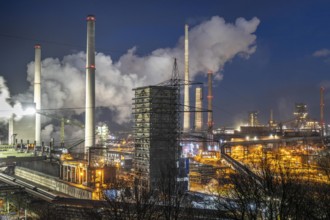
(7, 110)
(321, 53)
(212, 44)
(71, 135)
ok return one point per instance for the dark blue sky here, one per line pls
(281, 72)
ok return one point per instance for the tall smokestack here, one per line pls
(11, 136)
(271, 115)
(198, 113)
(209, 101)
(90, 85)
(37, 92)
(322, 110)
(186, 114)
(271, 120)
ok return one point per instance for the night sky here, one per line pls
(291, 61)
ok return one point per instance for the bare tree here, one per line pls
(324, 164)
(242, 200)
(128, 202)
(45, 210)
(171, 194)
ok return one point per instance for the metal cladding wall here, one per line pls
(53, 183)
(42, 166)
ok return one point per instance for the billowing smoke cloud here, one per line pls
(72, 135)
(212, 44)
(48, 131)
(321, 53)
(7, 109)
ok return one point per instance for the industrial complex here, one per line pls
(172, 150)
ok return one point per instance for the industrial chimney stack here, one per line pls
(209, 100)
(186, 114)
(37, 92)
(271, 119)
(90, 85)
(198, 113)
(322, 111)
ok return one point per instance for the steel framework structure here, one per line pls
(156, 131)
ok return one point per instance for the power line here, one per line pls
(10, 36)
(83, 47)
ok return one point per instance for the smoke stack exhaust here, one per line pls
(186, 114)
(90, 85)
(198, 113)
(209, 101)
(37, 92)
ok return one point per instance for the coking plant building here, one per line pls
(156, 133)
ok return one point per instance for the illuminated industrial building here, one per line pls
(102, 133)
(301, 114)
(157, 157)
(253, 119)
(156, 134)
